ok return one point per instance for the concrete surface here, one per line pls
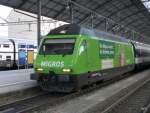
(86, 102)
(16, 80)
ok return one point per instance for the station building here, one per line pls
(24, 25)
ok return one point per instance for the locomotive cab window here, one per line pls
(57, 47)
(83, 46)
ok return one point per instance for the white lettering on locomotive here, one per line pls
(52, 64)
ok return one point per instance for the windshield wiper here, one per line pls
(64, 55)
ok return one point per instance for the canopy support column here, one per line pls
(38, 21)
(106, 23)
(92, 21)
(71, 11)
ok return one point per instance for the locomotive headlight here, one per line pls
(39, 69)
(67, 70)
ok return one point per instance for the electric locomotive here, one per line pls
(71, 57)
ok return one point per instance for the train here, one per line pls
(17, 53)
(71, 57)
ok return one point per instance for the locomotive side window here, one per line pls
(83, 46)
(57, 46)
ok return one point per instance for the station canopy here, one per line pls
(131, 14)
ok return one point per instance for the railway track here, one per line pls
(26, 104)
(46, 100)
(133, 101)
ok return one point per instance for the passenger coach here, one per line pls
(17, 53)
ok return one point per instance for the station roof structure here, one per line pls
(129, 13)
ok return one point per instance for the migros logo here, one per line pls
(52, 64)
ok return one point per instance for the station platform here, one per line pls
(102, 98)
(14, 80)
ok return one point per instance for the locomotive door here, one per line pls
(91, 55)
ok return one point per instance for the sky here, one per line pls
(4, 12)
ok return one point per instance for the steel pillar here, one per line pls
(106, 23)
(92, 21)
(38, 21)
(71, 12)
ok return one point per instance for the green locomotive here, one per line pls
(72, 56)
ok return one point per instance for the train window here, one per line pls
(138, 53)
(57, 47)
(22, 46)
(8, 58)
(0, 45)
(0, 56)
(30, 46)
(6, 45)
(35, 47)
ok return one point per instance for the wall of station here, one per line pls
(28, 30)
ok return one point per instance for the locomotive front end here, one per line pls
(54, 64)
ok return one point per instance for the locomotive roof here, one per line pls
(74, 29)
